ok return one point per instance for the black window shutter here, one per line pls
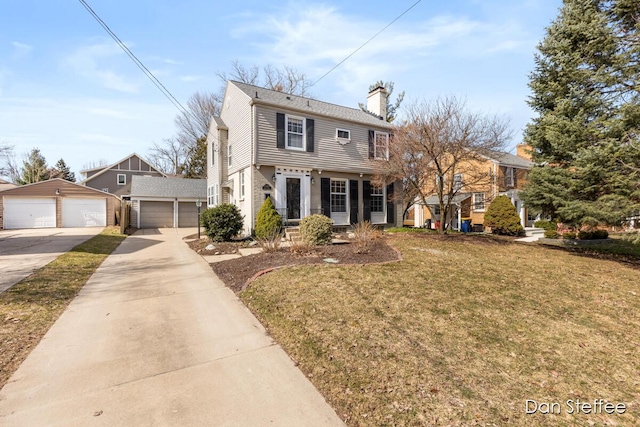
(372, 139)
(366, 200)
(353, 201)
(310, 123)
(280, 130)
(515, 178)
(325, 196)
(391, 205)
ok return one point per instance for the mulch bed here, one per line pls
(219, 248)
(236, 272)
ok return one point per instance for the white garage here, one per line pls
(84, 212)
(32, 212)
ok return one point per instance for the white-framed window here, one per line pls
(213, 154)
(377, 199)
(478, 202)
(509, 177)
(457, 182)
(210, 195)
(122, 179)
(339, 195)
(242, 184)
(295, 133)
(343, 135)
(229, 155)
(381, 146)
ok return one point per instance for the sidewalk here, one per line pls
(156, 339)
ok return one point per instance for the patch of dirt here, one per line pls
(236, 272)
(219, 248)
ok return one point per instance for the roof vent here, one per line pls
(289, 98)
(257, 94)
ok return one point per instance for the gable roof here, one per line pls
(6, 185)
(154, 186)
(60, 184)
(508, 159)
(108, 167)
(260, 95)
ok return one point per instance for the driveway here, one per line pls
(156, 339)
(23, 251)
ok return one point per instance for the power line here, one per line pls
(139, 63)
(365, 43)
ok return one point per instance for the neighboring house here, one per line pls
(57, 203)
(309, 156)
(506, 174)
(116, 178)
(6, 185)
(166, 202)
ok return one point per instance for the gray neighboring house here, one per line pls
(309, 156)
(166, 202)
(116, 178)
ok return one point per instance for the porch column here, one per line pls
(418, 215)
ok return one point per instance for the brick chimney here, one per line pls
(525, 151)
(377, 102)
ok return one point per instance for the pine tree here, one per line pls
(268, 221)
(503, 218)
(585, 93)
(61, 170)
(34, 168)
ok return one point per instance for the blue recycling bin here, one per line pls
(466, 226)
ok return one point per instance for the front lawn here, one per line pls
(463, 331)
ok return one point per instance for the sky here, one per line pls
(69, 90)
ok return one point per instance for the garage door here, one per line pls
(187, 214)
(156, 214)
(84, 212)
(37, 212)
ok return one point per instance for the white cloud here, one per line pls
(189, 78)
(90, 62)
(21, 50)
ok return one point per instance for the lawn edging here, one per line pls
(30, 307)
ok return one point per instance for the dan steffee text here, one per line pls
(577, 406)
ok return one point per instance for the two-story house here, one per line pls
(309, 156)
(479, 183)
(116, 178)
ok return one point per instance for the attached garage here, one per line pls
(31, 212)
(84, 212)
(57, 203)
(166, 202)
(154, 214)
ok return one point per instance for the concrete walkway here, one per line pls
(155, 339)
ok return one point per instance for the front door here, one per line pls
(293, 198)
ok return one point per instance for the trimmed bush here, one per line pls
(503, 218)
(569, 235)
(316, 230)
(551, 234)
(222, 223)
(593, 234)
(268, 220)
(546, 224)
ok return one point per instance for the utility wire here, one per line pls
(365, 43)
(139, 63)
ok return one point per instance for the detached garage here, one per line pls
(166, 202)
(56, 203)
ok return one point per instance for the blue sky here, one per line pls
(66, 88)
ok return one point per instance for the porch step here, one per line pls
(532, 234)
(292, 234)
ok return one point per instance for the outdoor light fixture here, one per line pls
(273, 177)
(313, 180)
(57, 191)
(198, 204)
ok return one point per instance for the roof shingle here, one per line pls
(150, 186)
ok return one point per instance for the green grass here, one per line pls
(461, 332)
(30, 307)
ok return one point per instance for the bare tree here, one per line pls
(169, 156)
(286, 79)
(8, 166)
(439, 149)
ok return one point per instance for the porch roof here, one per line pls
(456, 200)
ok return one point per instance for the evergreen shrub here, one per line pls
(316, 229)
(503, 218)
(222, 223)
(268, 220)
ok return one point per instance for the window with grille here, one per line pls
(295, 133)
(377, 199)
(478, 201)
(338, 195)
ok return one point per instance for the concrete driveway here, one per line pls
(23, 251)
(155, 339)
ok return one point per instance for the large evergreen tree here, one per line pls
(585, 94)
(34, 168)
(61, 170)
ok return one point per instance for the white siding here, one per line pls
(236, 114)
(328, 153)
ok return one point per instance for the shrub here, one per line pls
(316, 230)
(222, 223)
(569, 235)
(546, 224)
(270, 243)
(363, 236)
(551, 234)
(593, 234)
(503, 218)
(268, 220)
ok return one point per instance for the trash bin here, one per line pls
(427, 224)
(466, 226)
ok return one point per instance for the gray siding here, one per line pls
(109, 180)
(236, 114)
(328, 153)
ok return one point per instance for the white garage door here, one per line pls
(37, 212)
(84, 212)
(156, 214)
